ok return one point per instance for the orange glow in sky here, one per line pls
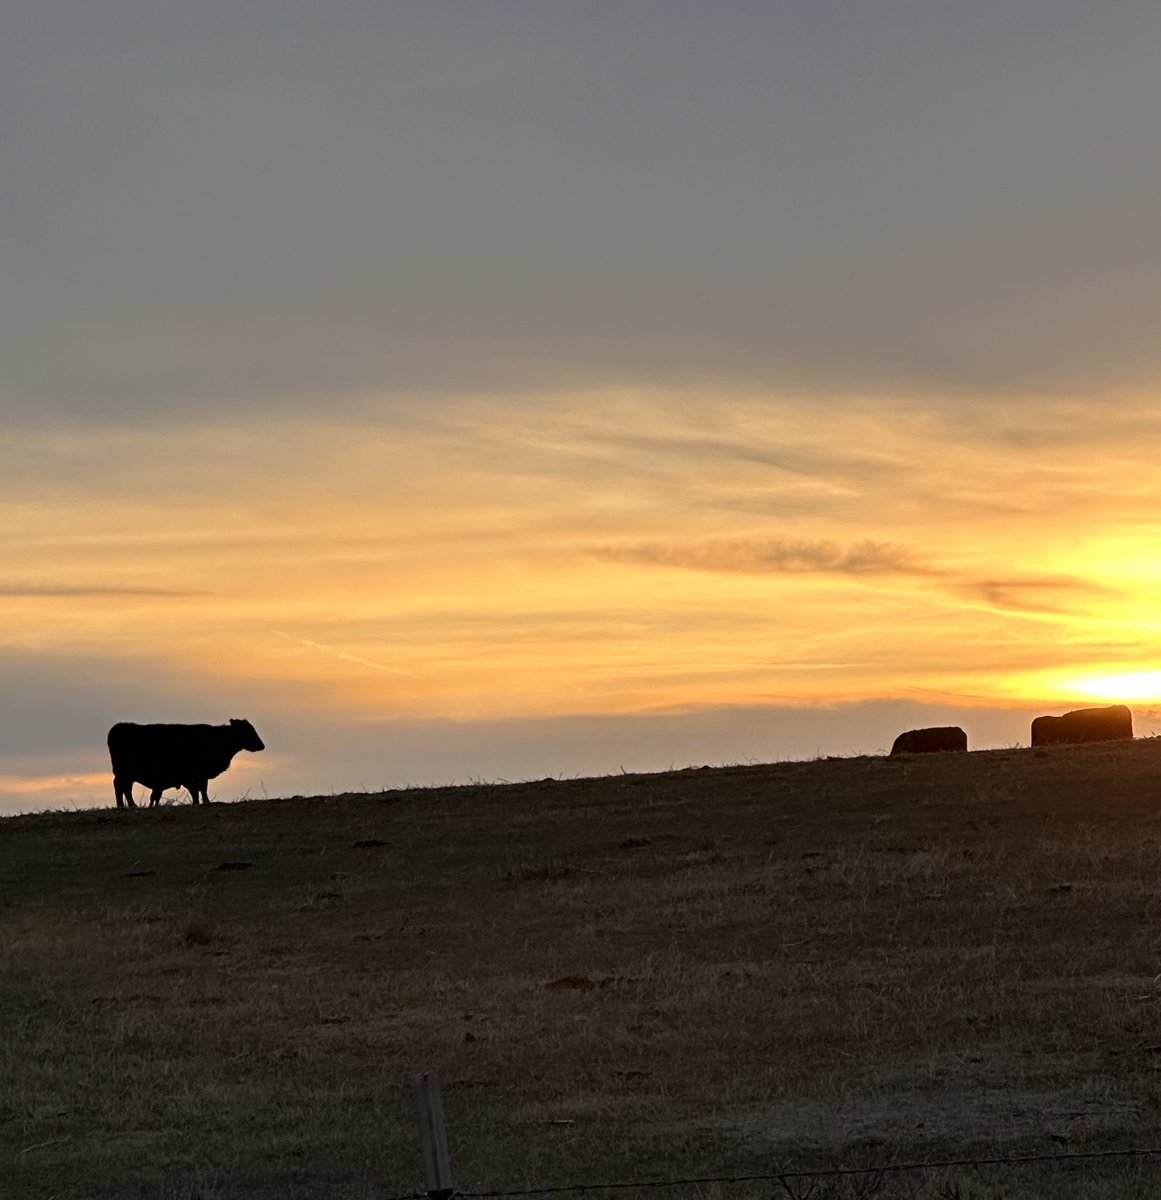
(515, 389)
(553, 560)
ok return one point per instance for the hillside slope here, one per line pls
(842, 961)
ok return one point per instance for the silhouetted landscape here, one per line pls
(836, 962)
(525, 391)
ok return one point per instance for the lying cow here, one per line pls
(1084, 725)
(926, 741)
(170, 756)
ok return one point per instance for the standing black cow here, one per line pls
(168, 756)
(926, 741)
(1109, 724)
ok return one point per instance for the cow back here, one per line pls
(1109, 724)
(928, 741)
(168, 756)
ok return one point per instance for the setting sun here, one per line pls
(1132, 685)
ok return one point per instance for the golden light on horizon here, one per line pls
(1127, 686)
(613, 557)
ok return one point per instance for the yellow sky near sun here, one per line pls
(605, 553)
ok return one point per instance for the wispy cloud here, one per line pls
(1043, 594)
(796, 456)
(770, 555)
(78, 590)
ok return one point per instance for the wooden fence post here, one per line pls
(433, 1137)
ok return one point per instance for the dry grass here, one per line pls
(838, 962)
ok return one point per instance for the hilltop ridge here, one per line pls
(627, 976)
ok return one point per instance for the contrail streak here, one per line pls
(343, 655)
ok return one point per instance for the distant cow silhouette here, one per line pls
(170, 756)
(1084, 725)
(927, 741)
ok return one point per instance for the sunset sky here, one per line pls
(497, 389)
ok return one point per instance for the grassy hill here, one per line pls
(828, 963)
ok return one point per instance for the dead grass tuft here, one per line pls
(196, 934)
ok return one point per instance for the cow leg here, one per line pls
(124, 791)
(198, 791)
(155, 796)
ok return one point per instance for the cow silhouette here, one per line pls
(170, 756)
(1110, 724)
(928, 741)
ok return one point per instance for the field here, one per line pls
(741, 969)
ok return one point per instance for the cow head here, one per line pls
(247, 735)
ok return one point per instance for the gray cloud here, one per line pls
(1049, 595)
(278, 204)
(63, 704)
(74, 591)
(325, 753)
(770, 555)
(57, 709)
(815, 460)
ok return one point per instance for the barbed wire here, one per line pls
(1007, 1160)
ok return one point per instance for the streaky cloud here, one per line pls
(803, 459)
(754, 556)
(81, 590)
(1036, 594)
